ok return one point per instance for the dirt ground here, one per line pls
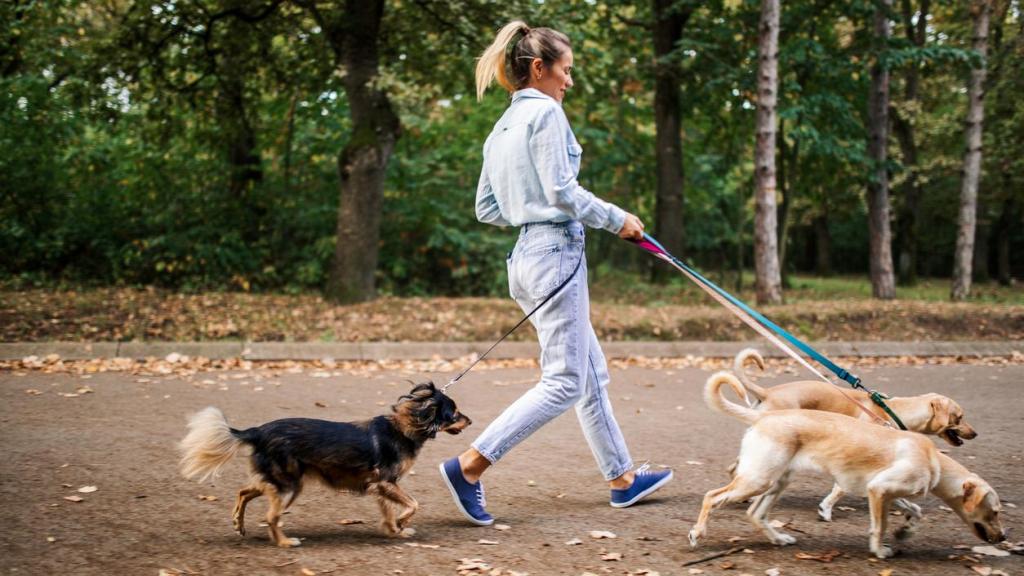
(117, 432)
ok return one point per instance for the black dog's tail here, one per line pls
(209, 444)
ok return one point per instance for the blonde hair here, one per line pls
(507, 53)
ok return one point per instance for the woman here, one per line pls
(531, 160)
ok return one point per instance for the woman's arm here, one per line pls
(550, 153)
(487, 209)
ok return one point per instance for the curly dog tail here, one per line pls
(739, 367)
(713, 397)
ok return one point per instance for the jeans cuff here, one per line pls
(616, 472)
(490, 457)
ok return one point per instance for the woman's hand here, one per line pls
(632, 228)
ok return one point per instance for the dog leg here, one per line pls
(392, 492)
(739, 489)
(912, 514)
(277, 501)
(830, 501)
(760, 508)
(244, 496)
(878, 505)
(389, 521)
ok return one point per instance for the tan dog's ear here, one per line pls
(973, 495)
(940, 413)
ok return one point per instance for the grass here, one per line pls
(620, 287)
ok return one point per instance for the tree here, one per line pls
(963, 261)
(670, 18)
(904, 118)
(882, 284)
(766, 255)
(354, 34)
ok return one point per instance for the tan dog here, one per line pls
(863, 458)
(931, 413)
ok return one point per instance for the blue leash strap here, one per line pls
(820, 359)
(651, 245)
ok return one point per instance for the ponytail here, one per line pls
(492, 62)
(507, 54)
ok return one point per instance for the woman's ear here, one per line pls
(536, 69)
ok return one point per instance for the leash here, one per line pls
(557, 289)
(761, 324)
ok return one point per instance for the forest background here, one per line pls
(305, 147)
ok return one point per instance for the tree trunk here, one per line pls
(1007, 217)
(669, 21)
(237, 133)
(962, 263)
(768, 281)
(787, 163)
(882, 283)
(903, 126)
(363, 161)
(822, 246)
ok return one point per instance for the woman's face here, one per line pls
(553, 81)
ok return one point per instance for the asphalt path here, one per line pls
(118, 431)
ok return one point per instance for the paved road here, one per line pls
(144, 517)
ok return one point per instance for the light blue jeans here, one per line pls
(573, 368)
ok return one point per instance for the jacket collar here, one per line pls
(529, 93)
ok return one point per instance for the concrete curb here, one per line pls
(451, 350)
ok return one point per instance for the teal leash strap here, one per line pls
(852, 379)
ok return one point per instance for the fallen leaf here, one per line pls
(983, 570)
(574, 542)
(73, 498)
(487, 542)
(945, 508)
(696, 571)
(611, 556)
(531, 483)
(84, 390)
(886, 572)
(727, 565)
(989, 551)
(735, 538)
(33, 392)
(207, 498)
(599, 534)
(51, 539)
(772, 572)
(472, 564)
(349, 522)
(502, 527)
(694, 462)
(307, 572)
(846, 508)
(87, 489)
(824, 557)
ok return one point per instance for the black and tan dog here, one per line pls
(361, 457)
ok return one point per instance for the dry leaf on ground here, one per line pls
(823, 557)
(87, 489)
(599, 534)
(611, 556)
(989, 551)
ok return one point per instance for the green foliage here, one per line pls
(194, 144)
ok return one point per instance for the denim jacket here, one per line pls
(531, 161)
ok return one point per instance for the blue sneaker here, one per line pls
(644, 483)
(468, 497)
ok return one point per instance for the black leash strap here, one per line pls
(520, 323)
